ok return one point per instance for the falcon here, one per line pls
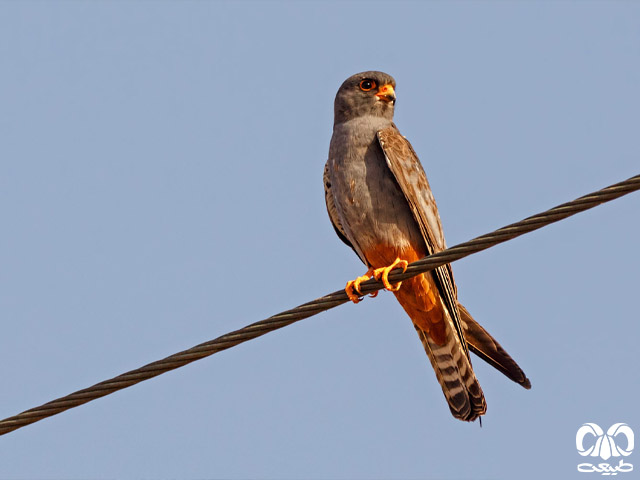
(380, 204)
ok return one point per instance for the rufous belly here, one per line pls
(419, 296)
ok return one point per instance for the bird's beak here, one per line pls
(386, 93)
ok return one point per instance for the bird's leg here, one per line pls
(383, 274)
(354, 285)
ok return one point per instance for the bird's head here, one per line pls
(365, 94)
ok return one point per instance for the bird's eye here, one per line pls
(366, 85)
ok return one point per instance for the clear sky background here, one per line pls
(161, 184)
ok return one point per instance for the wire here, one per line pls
(316, 306)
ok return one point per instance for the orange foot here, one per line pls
(383, 274)
(354, 285)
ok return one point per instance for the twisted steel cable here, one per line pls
(316, 306)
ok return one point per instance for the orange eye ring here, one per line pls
(367, 85)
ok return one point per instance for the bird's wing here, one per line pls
(408, 172)
(487, 348)
(332, 210)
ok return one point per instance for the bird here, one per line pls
(381, 205)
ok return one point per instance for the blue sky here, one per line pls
(160, 185)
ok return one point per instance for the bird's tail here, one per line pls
(420, 299)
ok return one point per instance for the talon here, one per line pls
(349, 291)
(383, 274)
(354, 286)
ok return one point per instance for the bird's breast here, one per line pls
(372, 208)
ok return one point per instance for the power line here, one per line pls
(316, 306)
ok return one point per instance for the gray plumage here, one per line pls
(380, 204)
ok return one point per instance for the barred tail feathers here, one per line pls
(419, 298)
